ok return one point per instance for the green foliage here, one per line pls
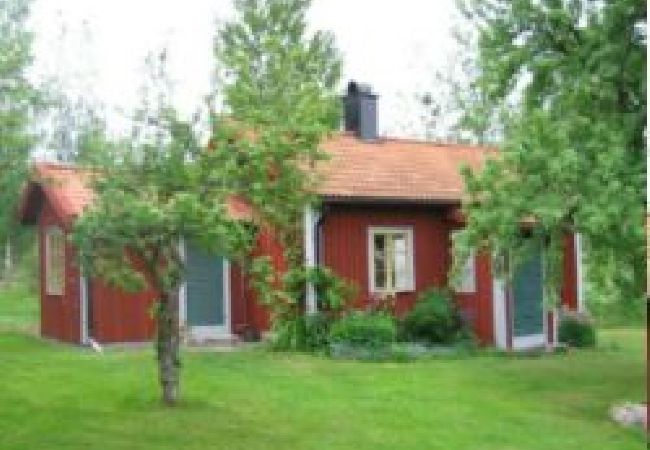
(285, 297)
(303, 332)
(19, 100)
(577, 330)
(302, 402)
(164, 190)
(364, 329)
(317, 331)
(274, 71)
(279, 89)
(433, 320)
(333, 293)
(564, 83)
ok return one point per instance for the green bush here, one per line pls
(316, 331)
(369, 330)
(577, 330)
(433, 320)
(292, 329)
(305, 333)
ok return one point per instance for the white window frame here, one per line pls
(50, 287)
(466, 285)
(409, 285)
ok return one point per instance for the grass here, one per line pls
(18, 307)
(54, 396)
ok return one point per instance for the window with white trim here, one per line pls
(390, 256)
(54, 261)
(465, 283)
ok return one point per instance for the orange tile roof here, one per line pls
(396, 169)
(67, 187)
(386, 169)
(69, 190)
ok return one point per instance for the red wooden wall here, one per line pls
(117, 316)
(569, 291)
(478, 305)
(344, 248)
(120, 316)
(123, 317)
(60, 314)
(252, 314)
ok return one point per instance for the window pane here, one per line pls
(400, 260)
(468, 276)
(55, 261)
(392, 259)
(380, 261)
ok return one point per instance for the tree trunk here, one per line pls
(168, 347)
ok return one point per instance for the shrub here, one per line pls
(364, 329)
(333, 292)
(308, 333)
(287, 334)
(433, 320)
(316, 331)
(577, 330)
(292, 329)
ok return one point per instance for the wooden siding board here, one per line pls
(59, 313)
(345, 242)
(569, 291)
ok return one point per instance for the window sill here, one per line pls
(401, 291)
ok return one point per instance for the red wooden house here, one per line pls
(388, 211)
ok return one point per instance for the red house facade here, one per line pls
(385, 222)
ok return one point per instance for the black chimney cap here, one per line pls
(355, 88)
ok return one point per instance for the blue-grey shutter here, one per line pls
(527, 287)
(204, 288)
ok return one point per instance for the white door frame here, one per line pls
(501, 296)
(531, 340)
(83, 308)
(203, 333)
(499, 311)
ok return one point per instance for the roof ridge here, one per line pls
(404, 140)
(57, 165)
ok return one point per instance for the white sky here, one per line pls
(394, 45)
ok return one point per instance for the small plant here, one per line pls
(333, 292)
(292, 328)
(433, 320)
(316, 332)
(382, 303)
(577, 330)
(364, 330)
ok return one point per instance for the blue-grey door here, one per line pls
(204, 289)
(527, 287)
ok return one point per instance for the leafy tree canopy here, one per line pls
(163, 190)
(279, 87)
(273, 71)
(565, 83)
(17, 101)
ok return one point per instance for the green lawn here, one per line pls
(58, 397)
(18, 307)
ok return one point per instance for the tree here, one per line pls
(161, 192)
(279, 90)
(272, 71)
(17, 101)
(565, 82)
